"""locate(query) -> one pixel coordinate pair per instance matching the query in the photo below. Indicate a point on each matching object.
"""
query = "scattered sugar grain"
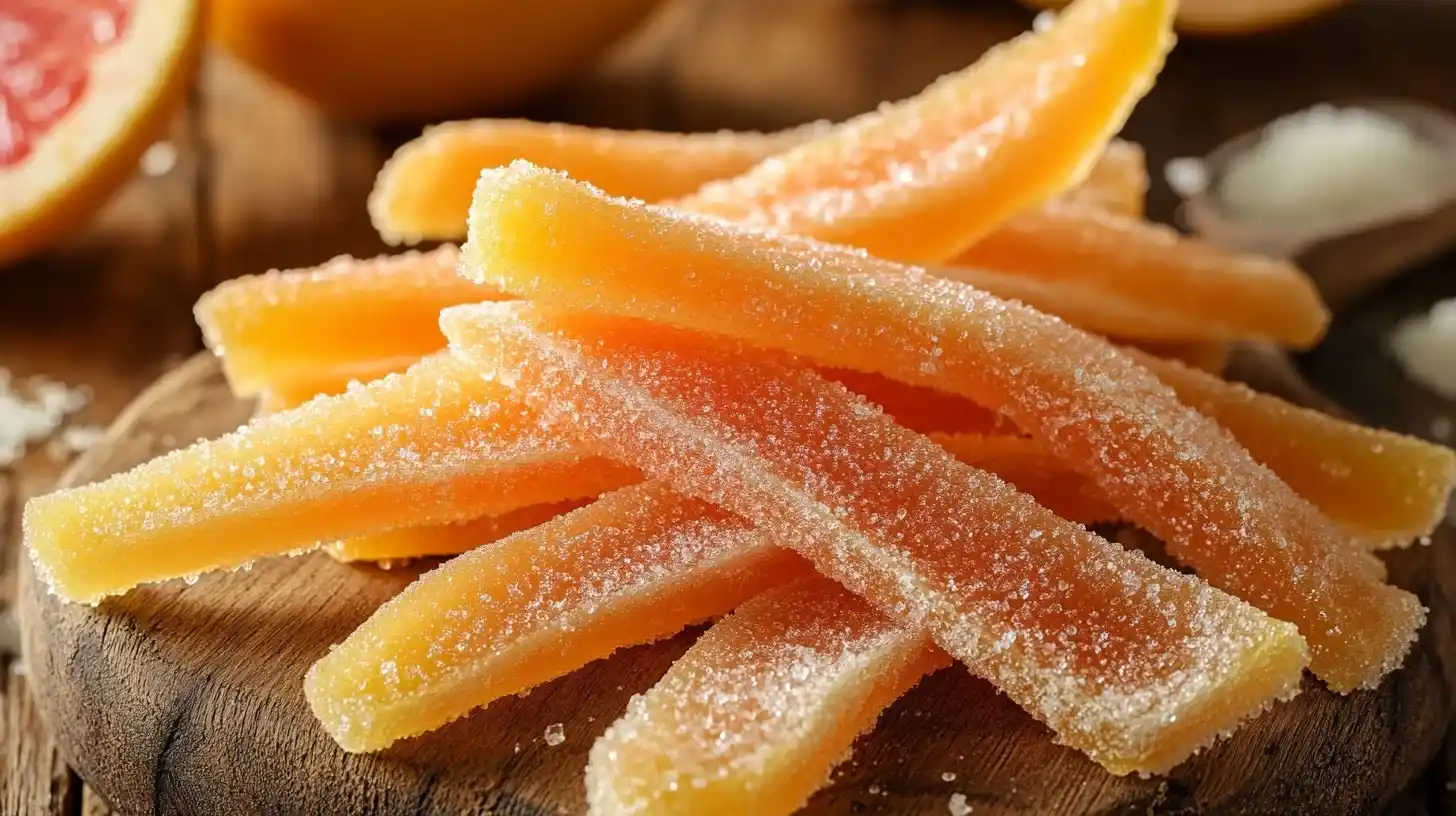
(1188, 176)
(958, 805)
(948, 776)
(159, 160)
(28, 419)
(1441, 428)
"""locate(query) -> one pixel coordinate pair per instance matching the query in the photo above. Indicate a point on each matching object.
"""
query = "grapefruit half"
(85, 87)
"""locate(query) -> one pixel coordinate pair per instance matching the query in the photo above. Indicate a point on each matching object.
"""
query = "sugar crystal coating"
(1164, 466)
(423, 191)
(1132, 663)
(433, 445)
(637, 565)
(923, 179)
(1032, 469)
(1387, 487)
(755, 715)
(1121, 276)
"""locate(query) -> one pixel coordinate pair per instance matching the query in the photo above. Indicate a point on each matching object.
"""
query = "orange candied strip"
(446, 539)
(348, 317)
(423, 192)
(1059, 619)
(633, 567)
(1031, 469)
(1388, 487)
(923, 179)
(756, 714)
(1124, 277)
(430, 446)
(1164, 466)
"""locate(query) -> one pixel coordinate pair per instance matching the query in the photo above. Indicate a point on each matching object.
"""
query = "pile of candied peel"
(854, 392)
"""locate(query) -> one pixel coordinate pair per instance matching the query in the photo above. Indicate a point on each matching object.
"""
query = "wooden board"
(263, 181)
(188, 699)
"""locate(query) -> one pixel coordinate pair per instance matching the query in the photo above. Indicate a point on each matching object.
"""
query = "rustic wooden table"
(260, 181)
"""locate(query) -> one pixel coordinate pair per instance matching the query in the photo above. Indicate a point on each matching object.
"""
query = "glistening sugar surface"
(753, 717)
(1118, 655)
(637, 565)
(1167, 468)
(924, 178)
(429, 446)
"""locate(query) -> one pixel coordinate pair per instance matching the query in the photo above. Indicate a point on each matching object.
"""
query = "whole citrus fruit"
(377, 60)
(1233, 16)
(85, 87)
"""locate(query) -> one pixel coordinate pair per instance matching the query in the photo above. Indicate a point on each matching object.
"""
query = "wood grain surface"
(262, 181)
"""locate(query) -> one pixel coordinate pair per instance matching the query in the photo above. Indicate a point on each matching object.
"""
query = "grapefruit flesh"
(85, 86)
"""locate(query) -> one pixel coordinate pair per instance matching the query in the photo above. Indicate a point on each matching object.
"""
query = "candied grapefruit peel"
(853, 393)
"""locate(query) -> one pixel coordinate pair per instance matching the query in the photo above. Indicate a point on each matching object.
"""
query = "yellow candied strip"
(635, 566)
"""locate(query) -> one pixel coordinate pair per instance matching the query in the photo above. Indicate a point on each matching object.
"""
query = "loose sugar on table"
(32, 412)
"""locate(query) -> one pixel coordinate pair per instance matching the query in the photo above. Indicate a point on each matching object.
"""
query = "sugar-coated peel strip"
(296, 333)
(423, 191)
(633, 567)
(923, 179)
(1173, 288)
(1387, 487)
(917, 408)
(1132, 663)
(446, 539)
(1163, 465)
(1026, 464)
(348, 317)
(756, 714)
(1016, 459)
(431, 446)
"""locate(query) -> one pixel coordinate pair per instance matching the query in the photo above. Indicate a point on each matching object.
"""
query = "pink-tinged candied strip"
(1132, 663)
(430, 446)
(635, 566)
(1026, 464)
(922, 179)
(757, 713)
(1163, 465)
